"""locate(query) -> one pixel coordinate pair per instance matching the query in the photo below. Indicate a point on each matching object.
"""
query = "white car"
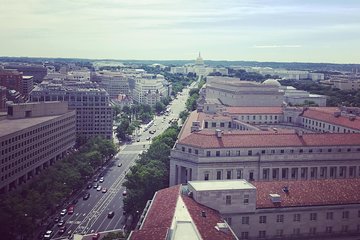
(63, 212)
(101, 179)
(98, 188)
(48, 234)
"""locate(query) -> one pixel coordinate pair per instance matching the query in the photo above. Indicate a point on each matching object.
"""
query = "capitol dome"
(272, 82)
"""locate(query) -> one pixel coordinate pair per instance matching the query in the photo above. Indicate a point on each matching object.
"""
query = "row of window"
(297, 232)
(317, 125)
(232, 153)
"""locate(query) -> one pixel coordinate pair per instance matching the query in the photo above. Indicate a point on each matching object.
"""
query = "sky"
(251, 30)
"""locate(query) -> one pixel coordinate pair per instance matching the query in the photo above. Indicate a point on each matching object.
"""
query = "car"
(89, 186)
(57, 219)
(111, 214)
(98, 188)
(138, 140)
(62, 229)
(120, 164)
(63, 212)
(95, 236)
(61, 223)
(104, 190)
(101, 179)
(71, 210)
(86, 196)
(148, 138)
(96, 185)
(124, 193)
(96, 179)
(48, 234)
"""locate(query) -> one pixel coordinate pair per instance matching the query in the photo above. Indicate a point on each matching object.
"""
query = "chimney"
(275, 198)
(218, 133)
(203, 214)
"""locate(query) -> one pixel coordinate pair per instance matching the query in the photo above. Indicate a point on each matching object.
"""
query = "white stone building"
(150, 90)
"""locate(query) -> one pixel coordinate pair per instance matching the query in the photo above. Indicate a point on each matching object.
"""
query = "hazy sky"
(267, 30)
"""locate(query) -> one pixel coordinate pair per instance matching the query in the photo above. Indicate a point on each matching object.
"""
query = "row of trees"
(336, 97)
(24, 210)
(150, 173)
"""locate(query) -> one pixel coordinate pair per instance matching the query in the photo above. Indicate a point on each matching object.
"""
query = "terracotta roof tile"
(254, 110)
(206, 225)
(309, 193)
(159, 216)
(208, 139)
(326, 114)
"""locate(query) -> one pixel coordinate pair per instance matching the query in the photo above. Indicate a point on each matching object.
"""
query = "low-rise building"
(32, 137)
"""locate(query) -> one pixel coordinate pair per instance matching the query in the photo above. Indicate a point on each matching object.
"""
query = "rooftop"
(254, 110)
(309, 192)
(208, 139)
(215, 185)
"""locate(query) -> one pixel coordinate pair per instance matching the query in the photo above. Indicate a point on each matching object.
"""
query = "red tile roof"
(254, 110)
(208, 139)
(159, 217)
(309, 193)
(326, 114)
(206, 225)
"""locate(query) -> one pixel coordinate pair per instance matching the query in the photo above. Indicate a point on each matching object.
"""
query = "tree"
(159, 107)
(183, 115)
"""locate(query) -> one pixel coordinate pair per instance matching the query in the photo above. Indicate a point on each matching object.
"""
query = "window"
(345, 214)
(206, 176)
(262, 219)
(296, 231)
(228, 220)
(208, 153)
(313, 216)
(196, 151)
(329, 215)
(189, 150)
(262, 234)
(227, 153)
(222, 124)
(213, 124)
(296, 217)
(328, 229)
(238, 174)
(228, 200)
(246, 199)
(312, 230)
(262, 151)
(237, 153)
(183, 149)
(245, 220)
(228, 174)
(218, 153)
(249, 153)
(280, 218)
(244, 235)
(218, 175)
(279, 232)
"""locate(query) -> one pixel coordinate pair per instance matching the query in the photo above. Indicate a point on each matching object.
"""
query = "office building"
(32, 137)
(150, 90)
(114, 83)
(93, 111)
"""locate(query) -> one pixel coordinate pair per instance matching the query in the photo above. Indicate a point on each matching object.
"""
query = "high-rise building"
(32, 137)
(93, 111)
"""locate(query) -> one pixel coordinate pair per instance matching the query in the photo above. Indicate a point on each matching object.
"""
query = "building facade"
(32, 137)
(93, 111)
(150, 91)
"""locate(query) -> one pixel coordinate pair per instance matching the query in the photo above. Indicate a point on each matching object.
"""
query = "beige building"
(32, 137)
(315, 209)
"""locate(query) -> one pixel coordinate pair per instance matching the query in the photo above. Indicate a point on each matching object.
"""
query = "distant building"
(292, 96)
(285, 74)
(92, 104)
(11, 79)
(233, 92)
(174, 215)
(27, 85)
(150, 90)
(345, 82)
(37, 71)
(32, 137)
(115, 83)
(3, 99)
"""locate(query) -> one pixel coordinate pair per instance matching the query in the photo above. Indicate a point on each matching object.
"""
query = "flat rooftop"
(9, 126)
(215, 185)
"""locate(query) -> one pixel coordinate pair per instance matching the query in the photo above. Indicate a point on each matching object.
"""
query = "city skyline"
(299, 31)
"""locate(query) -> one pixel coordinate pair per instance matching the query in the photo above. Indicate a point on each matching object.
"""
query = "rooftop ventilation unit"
(218, 133)
(275, 198)
(352, 117)
(222, 227)
(285, 189)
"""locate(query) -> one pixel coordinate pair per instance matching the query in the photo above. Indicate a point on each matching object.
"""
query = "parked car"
(104, 190)
(71, 210)
(57, 219)
(89, 186)
(62, 229)
(96, 236)
(61, 223)
(96, 185)
(124, 193)
(48, 234)
(86, 196)
(101, 179)
(98, 188)
(63, 212)
(120, 164)
(148, 138)
(111, 214)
